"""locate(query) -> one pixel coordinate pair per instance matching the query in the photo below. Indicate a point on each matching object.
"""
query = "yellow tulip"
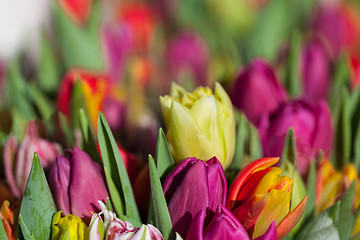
(69, 227)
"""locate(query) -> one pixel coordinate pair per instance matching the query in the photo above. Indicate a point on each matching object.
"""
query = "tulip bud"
(200, 124)
(315, 70)
(354, 69)
(7, 218)
(257, 90)
(77, 183)
(259, 195)
(312, 126)
(69, 227)
(203, 184)
(18, 159)
(113, 228)
(188, 52)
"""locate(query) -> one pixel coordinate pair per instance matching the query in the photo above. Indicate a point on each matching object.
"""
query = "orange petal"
(244, 175)
(289, 222)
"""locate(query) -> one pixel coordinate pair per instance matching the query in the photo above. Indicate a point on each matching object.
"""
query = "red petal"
(77, 10)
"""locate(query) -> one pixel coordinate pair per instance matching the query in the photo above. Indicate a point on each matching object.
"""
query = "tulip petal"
(244, 175)
(291, 219)
(271, 233)
(9, 163)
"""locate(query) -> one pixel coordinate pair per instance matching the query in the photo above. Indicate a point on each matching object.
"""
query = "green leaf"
(322, 227)
(162, 216)
(24, 230)
(88, 142)
(43, 104)
(355, 126)
(289, 150)
(311, 189)
(80, 46)
(255, 149)
(2, 231)
(48, 76)
(345, 221)
(78, 103)
(292, 81)
(116, 198)
(340, 79)
(163, 157)
(241, 136)
(66, 130)
(116, 169)
(342, 148)
(37, 206)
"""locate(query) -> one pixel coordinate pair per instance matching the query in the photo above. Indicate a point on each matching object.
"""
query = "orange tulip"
(7, 219)
(259, 196)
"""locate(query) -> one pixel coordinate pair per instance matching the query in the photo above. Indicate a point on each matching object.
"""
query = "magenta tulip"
(77, 183)
(194, 185)
(312, 126)
(315, 70)
(257, 91)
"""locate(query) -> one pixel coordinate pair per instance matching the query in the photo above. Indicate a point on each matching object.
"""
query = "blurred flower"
(340, 25)
(69, 227)
(200, 124)
(315, 70)
(99, 94)
(312, 124)
(187, 52)
(18, 159)
(77, 183)
(259, 195)
(7, 218)
(257, 90)
(5, 193)
(77, 10)
(193, 186)
(112, 228)
(354, 69)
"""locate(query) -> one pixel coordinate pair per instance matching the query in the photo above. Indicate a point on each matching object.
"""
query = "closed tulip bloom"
(259, 195)
(315, 70)
(69, 227)
(18, 158)
(111, 228)
(313, 128)
(257, 90)
(200, 124)
(203, 184)
(187, 53)
(77, 183)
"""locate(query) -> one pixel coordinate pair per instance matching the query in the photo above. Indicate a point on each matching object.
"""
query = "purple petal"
(270, 234)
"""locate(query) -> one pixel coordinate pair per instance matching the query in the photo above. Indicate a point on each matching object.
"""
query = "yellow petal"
(329, 193)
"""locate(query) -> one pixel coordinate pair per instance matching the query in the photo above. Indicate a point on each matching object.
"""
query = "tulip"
(315, 70)
(77, 183)
(112, 228)
(69, 227)
(7, 218)
(77, 10)
(257, 90)
(354, 69)
(339, 24)
(222, 224)
(188, 52)
(259, 195)
(18, 159)
(312, 126)
(200, 124)
(203, 184)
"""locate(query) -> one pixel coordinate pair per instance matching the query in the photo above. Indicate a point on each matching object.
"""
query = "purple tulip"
(222, 224)
(188, 52)
(18, 159)
(257, 90)
(312, 126)
(77, 183)
(194, 185)
(315, 70)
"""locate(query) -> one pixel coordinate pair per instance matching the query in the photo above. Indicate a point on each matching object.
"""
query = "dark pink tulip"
(257, 91)
(315, 70)
(222, 224)
(77, 183)
(339, 24)
(194, 185)
(187, 53)
(18, 158)
(313, 128)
